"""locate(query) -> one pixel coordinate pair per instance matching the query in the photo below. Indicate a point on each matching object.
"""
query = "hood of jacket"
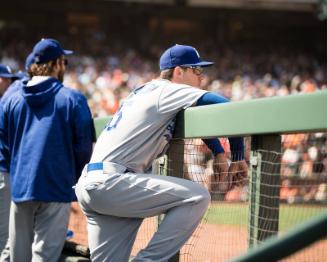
(40, 93)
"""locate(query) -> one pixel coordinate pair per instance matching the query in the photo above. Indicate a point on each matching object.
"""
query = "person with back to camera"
(6, 79)
(116, 190)
(20, 78)
(49, 132)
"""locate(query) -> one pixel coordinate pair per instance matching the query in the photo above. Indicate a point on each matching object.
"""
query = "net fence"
(284, 201)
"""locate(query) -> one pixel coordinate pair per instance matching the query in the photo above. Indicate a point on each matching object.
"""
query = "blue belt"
(94, 166)
(104, 166)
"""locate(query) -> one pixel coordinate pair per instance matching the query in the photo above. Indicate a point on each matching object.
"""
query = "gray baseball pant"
(116, 203)
(37, 230)
(4, 209)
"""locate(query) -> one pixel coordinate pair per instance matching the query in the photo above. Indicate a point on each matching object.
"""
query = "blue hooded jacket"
(4, 154)
(49, 131)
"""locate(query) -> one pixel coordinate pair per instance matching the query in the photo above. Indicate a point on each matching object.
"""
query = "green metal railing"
(300, 237)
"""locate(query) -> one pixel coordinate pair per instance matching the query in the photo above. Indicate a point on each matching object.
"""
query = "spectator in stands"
(288, 192)
(321, 194)
(6, 78)
(306, 166)
(20, 78)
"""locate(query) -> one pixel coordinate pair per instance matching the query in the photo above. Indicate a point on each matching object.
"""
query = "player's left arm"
(238, 168)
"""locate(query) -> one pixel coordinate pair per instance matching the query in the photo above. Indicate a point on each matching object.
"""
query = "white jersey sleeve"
(175, 97)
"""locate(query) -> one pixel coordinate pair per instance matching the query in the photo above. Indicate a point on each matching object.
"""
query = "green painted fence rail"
(276, 115)
(276, 248)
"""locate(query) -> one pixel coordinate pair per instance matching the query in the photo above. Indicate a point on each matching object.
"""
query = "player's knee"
(205, 197)
(202, 193)
(203, 203)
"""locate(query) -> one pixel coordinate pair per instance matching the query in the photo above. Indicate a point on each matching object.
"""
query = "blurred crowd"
(106, 70)
(304, 168)
(106, 67)
(236, 75)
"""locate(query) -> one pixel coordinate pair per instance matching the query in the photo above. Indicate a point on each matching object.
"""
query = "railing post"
(264, 188)
(175, 163)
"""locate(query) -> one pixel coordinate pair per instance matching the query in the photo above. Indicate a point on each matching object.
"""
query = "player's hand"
(238, 171)
(222, 180)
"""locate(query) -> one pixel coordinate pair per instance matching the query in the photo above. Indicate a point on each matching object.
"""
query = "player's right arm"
(238, 166)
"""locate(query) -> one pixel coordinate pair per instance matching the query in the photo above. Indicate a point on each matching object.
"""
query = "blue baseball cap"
(181, 55)
(48, 49)
(5, 72)
(29, 61)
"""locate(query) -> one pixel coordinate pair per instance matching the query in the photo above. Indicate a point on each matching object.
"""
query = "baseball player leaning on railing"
(116, 190)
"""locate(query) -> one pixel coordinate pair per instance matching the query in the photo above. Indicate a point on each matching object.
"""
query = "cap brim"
(68, 52)
(7, 75)
(202, 64)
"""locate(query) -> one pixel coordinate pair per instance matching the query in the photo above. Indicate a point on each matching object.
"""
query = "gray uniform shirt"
(142, 128)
